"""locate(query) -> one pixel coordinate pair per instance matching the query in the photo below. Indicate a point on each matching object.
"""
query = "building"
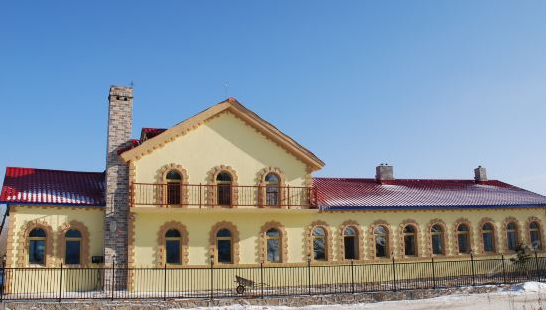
(227, 187)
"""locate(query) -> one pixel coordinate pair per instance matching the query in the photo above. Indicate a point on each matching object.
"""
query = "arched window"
(319, 243)
(410, 240)
(273, 243)
(437, 239)
(350, 242)
(174, 181)
(272, 190)
(463, 239)
(534, 235)
(512, 236)
(224, 248)
(73, 246)
(36, 246)
(223, 181)
(381, 241)
(488, 235)
(173, 247)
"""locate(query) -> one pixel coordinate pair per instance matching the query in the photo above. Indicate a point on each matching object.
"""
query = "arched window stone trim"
(84, 243)
(484, 221)
(262, 186)
(390, 238)
(504, 229)
(284, 242)
(341, 240)
(212, 192)
(530, 220)
(162, 179)
(445, 237)
(234, 240)
(329, 240)
(24, 243)
(455, 239)
(161, 250)
(418, 251)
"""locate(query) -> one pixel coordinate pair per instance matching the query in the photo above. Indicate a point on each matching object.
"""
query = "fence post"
(4, 277)
(352, 276)
(393, 273)
(433, 273)
(211, 277)
(262, 279)
(472, 266)
(113, 281)
(536, 264)
(503, 270)
(61, 283)
(309, 273)
(165, 282)
(200, 193)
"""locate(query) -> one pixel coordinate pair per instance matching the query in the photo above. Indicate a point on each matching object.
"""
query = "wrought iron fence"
(261, 281)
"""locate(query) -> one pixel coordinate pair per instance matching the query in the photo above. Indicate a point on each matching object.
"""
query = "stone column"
(120, 122)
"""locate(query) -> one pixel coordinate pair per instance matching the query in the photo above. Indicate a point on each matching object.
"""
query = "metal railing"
(206, 196)
(261, 281)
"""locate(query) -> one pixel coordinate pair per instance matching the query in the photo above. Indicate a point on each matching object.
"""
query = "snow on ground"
(526, 296)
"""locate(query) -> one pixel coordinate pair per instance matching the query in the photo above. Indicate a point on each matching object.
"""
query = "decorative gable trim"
(249, 117)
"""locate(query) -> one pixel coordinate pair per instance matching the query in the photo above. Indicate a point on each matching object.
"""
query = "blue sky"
(435, 88)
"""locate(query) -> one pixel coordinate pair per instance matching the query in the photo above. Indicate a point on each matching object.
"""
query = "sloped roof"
(345, 193)
(232, 105)
(52, 187)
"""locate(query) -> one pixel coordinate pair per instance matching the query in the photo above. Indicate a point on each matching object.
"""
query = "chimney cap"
(480, 174)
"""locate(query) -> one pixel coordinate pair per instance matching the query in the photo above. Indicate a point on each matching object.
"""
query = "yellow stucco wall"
(249, 223)
(55, 217)
(222, 140)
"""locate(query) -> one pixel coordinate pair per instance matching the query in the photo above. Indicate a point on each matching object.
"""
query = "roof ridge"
(53, 170)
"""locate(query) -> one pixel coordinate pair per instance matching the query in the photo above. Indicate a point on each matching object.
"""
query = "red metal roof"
(41, 186)
(343, 193)
(147, 133)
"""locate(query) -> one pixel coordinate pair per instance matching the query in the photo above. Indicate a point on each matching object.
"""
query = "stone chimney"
(120, 123)
(384, 172)
(480, 174)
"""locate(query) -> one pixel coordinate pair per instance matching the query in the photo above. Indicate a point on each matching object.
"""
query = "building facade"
(228, 188)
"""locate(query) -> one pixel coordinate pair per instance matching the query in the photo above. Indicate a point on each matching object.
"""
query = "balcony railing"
(221, 195)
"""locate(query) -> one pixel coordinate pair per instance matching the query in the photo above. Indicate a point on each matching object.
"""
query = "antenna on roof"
(226, 86)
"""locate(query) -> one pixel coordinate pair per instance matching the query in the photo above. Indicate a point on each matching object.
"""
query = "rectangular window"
(535, 240)
(409, 245)
(273, 253)
(512, 241)
(224, 194)
(173, 193)
(380, 246)
(463, 243)
(437, 245)
(36, 252)
(488, 245)
(173, 251)
(224, 251)
(72, 253)
(350, 247)
(319, 249)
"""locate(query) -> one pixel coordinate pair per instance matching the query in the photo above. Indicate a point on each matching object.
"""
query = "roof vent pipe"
(384, 172)
(480, 175)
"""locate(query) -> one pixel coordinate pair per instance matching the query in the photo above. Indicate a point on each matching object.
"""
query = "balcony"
(221, 195)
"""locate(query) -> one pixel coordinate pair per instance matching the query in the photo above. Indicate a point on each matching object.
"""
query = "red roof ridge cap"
(52, 170)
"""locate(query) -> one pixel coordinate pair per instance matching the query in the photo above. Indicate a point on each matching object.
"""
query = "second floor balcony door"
(174, 180)
(223, 181)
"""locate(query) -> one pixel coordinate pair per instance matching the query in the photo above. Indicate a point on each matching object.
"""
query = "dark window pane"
(224, 251)
(223, 177)
(37, 232)
(173, 193)
(350, 247)
(319, 249)
(512, 240)
(173, 251)
(272, 232)
(535, 240)
(72, 255)
(380, 246)
(409, 245)
(273, 253)
(463, 243)
(36, 252)
(172, 233)
(437, 244)
(173, 175)
(272, 195)
(224, 232)
(224, 194)
(72, 233)
(488, 245)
